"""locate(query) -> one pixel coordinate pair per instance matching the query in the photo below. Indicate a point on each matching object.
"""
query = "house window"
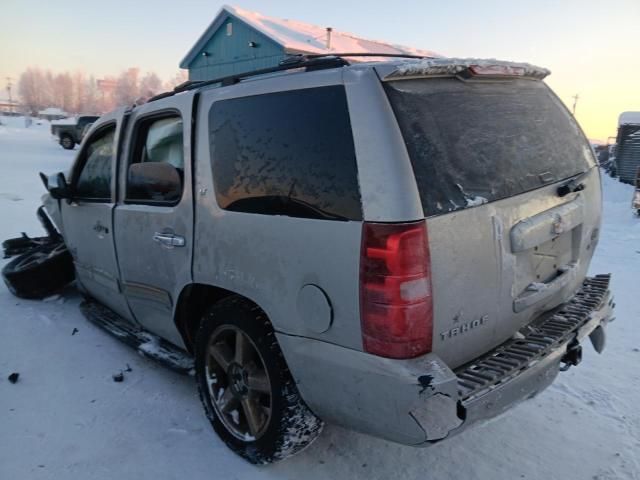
(229, 29)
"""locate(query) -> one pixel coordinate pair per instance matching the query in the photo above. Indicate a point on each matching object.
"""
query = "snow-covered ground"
(66, 419)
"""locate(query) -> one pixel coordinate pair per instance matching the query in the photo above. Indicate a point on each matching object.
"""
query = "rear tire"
(67, 142)
(250, 397)
(39, 272)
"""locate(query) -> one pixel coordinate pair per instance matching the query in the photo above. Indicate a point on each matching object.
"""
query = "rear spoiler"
(462, 67)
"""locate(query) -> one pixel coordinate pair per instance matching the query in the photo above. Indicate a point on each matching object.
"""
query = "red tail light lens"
(396, 307)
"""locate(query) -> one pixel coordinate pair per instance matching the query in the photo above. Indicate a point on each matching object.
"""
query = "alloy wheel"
(238, 383)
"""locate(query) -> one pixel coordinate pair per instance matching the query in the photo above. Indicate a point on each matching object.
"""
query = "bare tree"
(179, 78)
(63, 91)
(92, 96)
(30, 88)
(127, 87)
(150, 85)
(106, 93)
(77, 93)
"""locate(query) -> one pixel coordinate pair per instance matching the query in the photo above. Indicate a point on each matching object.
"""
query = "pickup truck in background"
(70, 134)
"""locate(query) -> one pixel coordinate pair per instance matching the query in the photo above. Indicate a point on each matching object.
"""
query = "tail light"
(396, 307)
(497, 70)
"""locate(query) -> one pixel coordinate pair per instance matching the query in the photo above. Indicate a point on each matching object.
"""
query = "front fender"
(52, 207)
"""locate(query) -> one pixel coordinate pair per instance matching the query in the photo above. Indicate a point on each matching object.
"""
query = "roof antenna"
(329, 30)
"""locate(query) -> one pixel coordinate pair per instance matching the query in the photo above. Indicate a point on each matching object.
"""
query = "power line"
(9, 85)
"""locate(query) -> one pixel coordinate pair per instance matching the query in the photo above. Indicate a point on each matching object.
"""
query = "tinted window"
(287, 153)
(94, 181)
(476, 141)
(158, 140)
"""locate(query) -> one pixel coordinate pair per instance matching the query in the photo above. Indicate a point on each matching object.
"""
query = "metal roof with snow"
(240, 40)
(629, 118)
(628, 147)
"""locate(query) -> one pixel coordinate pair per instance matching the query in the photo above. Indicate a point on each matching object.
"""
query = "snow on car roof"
(453, 66)
(52, 111)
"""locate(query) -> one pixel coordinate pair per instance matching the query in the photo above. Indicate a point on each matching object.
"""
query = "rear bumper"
(422, 401)
(521, 368)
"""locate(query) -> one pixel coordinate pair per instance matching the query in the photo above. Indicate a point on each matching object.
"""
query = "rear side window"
(94, 181)
(286, 153)
(476, 141)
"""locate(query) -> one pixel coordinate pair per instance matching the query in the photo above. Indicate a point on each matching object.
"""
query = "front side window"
(158, 140)
(287, 153)
(94, 181)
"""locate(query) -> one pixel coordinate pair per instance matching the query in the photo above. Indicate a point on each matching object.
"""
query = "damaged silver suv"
(399, 247)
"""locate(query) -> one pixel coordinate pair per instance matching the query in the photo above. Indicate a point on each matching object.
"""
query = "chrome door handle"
(169, 239)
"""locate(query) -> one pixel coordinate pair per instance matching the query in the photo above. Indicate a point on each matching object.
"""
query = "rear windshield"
(475, 142)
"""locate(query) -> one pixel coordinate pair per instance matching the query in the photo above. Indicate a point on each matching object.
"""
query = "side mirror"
(56, 185)
(154, 181)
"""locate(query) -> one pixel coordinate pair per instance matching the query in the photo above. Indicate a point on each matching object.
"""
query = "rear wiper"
(573, 185)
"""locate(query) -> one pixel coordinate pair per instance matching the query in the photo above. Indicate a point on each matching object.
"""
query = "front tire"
(67, 142)
(245, 385)
(39, 272)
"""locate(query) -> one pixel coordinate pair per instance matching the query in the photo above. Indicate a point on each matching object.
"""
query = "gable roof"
(298, 37)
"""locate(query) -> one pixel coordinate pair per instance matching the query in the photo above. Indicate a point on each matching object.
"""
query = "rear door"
(87, 218)
(488, 157)
(154, 233)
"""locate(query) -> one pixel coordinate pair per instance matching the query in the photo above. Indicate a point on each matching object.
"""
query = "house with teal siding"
(239, 41)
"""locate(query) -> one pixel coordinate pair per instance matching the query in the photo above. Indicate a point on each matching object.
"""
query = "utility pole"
(9, 85)
(575, 103)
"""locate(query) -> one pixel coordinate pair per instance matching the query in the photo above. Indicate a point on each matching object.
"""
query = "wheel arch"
(192, 302)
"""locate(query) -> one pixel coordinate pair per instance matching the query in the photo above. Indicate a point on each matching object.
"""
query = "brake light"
(497, 70)
(396, 306)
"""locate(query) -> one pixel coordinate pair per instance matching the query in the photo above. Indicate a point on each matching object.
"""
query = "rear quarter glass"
(286, 153)
(473, 142)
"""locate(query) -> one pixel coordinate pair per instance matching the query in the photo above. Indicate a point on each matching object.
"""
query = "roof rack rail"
(315, 62)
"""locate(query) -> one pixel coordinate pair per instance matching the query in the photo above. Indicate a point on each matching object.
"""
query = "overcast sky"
(592, 47)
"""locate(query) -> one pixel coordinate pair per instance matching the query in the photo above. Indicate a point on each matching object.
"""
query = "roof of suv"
(396, 67)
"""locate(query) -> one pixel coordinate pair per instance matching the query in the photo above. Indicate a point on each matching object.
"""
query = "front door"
(154, 232)
(87, 218)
